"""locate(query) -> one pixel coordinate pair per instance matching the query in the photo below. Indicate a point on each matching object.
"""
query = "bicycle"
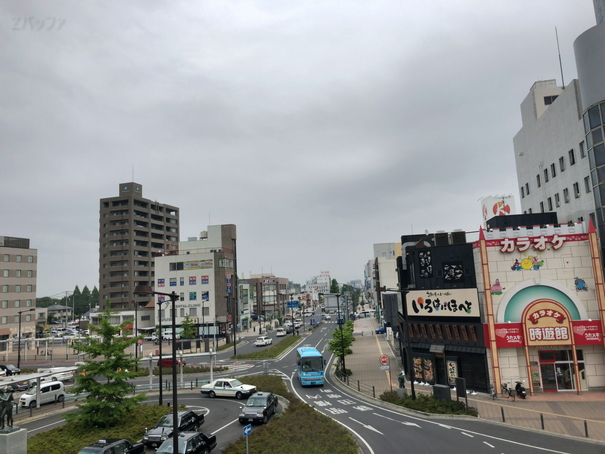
(509, 392)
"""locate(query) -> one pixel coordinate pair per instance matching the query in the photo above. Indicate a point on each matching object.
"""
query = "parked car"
(52, 391)
(189, 443)
(381, 330)
(56, 374)
(281, 332)
(258, 408)
(263, 340)
(228, 388)
(22, 385)
(289, 329)
(9, 369)
(187, 421)
(167, 362)
(112, 446)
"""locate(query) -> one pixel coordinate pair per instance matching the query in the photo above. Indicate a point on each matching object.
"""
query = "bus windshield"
(313, 364)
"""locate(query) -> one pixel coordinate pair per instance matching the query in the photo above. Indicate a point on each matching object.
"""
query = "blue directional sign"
(247, 430)
(292, 304)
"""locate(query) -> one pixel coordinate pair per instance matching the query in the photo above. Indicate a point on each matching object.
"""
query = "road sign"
(384, 368)
(247, 430)
(292, 304)
(384, 360)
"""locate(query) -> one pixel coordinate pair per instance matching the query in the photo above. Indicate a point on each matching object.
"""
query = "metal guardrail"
(356, 385)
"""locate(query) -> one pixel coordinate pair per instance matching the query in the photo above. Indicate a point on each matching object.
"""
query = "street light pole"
(19, 346)
(342, 339)
(175, 423)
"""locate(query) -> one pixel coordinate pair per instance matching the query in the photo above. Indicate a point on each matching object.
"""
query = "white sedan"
(228, 387)
(281, 332)
(263, 340)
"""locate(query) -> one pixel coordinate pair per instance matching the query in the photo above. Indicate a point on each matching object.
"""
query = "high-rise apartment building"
(18, 284)
(132, 230)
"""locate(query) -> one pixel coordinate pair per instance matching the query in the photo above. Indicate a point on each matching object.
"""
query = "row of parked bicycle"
(519, 390)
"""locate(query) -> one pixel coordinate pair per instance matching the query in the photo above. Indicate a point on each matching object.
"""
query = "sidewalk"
(564, 413)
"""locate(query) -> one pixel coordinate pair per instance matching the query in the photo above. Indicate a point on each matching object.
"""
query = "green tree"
(105, 375)
(188, 328)
(334, 286)
(342, 339)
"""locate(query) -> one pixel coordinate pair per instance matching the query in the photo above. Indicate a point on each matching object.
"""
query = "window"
(4, 304)
(19, 259)
(548, 100)
(522, 192)
(16, 319)
(566, 195)
(576, 190)
(30, 273)
(17, 289)
(557, 200)
(527, 188)
(582, 151)
(145, 318)
(572, 157)
(562, 163)
(587, 184)
(17, 303)
(553, 170)
(28, 318)
(545, 175)
(30, 288)
(5, 289)
(541, 207)
(4, 320)
(17, 273)
(182, 312)
(7, 258)
(538, 180)
(28, 303)
(549, 200)
(5, 273)
(193, 311)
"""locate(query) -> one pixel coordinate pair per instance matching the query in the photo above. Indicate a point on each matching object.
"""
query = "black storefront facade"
(440, 317)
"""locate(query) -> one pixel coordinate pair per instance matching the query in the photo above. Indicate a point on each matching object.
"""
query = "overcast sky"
(319, 128)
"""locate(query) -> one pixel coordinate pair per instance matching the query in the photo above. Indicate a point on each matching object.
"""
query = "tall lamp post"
(160, 342)
(342, 339)
(19, 346)
(143, 289)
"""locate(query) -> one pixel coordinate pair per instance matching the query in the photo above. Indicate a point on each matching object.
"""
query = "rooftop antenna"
(133, 172)
(559, 51)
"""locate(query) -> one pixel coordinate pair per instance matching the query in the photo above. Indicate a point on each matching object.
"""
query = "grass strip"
(272, 352)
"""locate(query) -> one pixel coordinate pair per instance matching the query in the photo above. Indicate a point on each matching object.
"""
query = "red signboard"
(384, 360)
(585, 332)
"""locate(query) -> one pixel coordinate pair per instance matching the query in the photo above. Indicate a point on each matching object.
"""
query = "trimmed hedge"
(299, 429)
(428, 404)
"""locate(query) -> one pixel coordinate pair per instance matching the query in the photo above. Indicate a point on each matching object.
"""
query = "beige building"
(18, 281)
(132, 232)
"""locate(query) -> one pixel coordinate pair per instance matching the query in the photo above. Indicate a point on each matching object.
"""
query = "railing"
(357, 385)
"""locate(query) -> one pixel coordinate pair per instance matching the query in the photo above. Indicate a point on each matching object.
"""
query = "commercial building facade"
(132, 230)
(18, 284)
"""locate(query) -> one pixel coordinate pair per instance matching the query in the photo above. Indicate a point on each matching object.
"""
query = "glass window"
(549, 200)
(572, 157)
(562, 164)
(553, 170)
(16, 319)
(587, 186)
(5, 273)
(17, 303)
(594, 117)
(7, 258)
(30, 288)
(28, 303)
(4, 304)
(597, 136)
(541, 207)
(582, 150)
(566, 195)
(557, 200)
(586, 123)
(538, 180)
(599, 155)
(601, 195)
(5, 289)
(589, 141)
(19, 259)
(545, 175)
(17, 288)
(193, 311)
(182, 312)
(30, 273)
(527, 188)
(30, 259)
(28, 318)
(17, 273)
(4, 320)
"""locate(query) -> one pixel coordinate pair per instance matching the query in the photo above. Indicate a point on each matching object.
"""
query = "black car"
(258, 408)
(10, 369)
(187, 420)
(113, 445)
(190, 443)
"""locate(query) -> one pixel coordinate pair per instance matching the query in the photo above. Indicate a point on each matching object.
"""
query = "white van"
(49, 392)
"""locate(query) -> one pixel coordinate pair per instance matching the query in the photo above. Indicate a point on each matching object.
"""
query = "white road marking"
(405, 423)
(44, 427)
(468, 435)
(491, 446)
(366, 426)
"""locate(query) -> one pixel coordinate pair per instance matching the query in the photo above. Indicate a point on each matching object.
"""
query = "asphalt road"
(377, 429)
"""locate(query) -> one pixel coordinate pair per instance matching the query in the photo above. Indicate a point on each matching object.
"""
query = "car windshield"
(260, 339)
(10, 367)
(236, 383)
(167, 447)
(165, 421)
(257, 402)
(31, 392)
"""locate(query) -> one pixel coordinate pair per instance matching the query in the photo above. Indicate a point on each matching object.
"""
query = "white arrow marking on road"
(491, 446)
(405, 423)
(468, 435)
(444, 426)
(366, 426)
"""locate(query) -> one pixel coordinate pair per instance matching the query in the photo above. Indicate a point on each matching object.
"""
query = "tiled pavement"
(564, 412)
